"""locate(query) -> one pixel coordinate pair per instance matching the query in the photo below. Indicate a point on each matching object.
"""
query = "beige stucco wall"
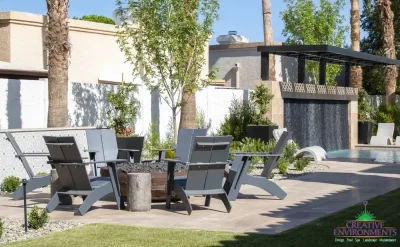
(94, 50)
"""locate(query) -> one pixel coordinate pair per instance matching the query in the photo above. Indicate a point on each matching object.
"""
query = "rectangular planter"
(133, 142)
(262, 132)
(364, 132)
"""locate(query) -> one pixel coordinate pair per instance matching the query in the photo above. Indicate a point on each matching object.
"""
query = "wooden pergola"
(323, 54)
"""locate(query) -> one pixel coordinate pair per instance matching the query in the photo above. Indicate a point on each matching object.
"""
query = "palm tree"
(386, 17)
(268, 37)
(356, 71)
(58, 47)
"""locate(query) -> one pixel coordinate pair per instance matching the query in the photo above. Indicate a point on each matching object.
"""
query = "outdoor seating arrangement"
(102, 145)
(74, 180)
(238, 176)
(206, 159)
(316, 152)
(384, 135)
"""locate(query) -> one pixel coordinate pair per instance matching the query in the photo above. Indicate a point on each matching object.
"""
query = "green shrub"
(247, 112)
(249, 145)
(241, 113)
(96, 18)
(10, 184)
(271, 176)
(1, 228)
(201, 121)
(302, 163)
(282, 166)
(152, 142)
(388, 114)
(366, 111)
(289, 152)
(260, 98)
(170, 154)
(37, 217)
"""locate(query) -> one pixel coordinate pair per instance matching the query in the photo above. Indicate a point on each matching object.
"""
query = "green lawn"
(316, 233)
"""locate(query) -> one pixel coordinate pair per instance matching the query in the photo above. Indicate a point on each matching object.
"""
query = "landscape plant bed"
(158, 172)
(14, 229)
(291, 171)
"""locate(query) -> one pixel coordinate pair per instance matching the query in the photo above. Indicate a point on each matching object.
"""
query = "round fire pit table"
(158, 172)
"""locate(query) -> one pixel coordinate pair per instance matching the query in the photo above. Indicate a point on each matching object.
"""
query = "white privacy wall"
(23, 104)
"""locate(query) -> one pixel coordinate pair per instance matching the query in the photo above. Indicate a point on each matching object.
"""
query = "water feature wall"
(318, 122)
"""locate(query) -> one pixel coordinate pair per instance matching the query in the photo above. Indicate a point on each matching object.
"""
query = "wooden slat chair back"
(65, 150)
(272, 161)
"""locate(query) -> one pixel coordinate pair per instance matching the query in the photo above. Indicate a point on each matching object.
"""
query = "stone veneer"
(276, 111)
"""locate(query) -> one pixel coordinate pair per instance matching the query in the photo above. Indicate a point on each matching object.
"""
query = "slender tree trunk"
(58, 47)
(356, 71)
(188, 106)
(174, 124)
(386, 17)
(268, 35)
(188, 111)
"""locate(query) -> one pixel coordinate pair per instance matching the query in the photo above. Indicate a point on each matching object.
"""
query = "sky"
(243, 16)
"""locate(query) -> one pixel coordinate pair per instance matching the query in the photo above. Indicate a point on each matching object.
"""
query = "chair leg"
(181, 193)
(267, 185)
(208, 200)
(93, 197)
(32, 184)
(54, 202)
(226, 202)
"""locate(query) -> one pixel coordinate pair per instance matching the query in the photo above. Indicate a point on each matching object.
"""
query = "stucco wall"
(23, 104)
(224, 58)
(250, 70)
(94, 50)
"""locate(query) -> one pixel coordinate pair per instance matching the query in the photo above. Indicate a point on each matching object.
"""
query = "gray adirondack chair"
(238, 176)
(182, 150)
(102, 145)
(73, 177)
(35, 181)
(207, 161)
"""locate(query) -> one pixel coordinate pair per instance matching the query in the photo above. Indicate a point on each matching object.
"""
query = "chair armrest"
(173, 161)
(206, 164)
(60, 144)
(116, 161)
(32, 155)
(212, 144)
(163, 149)
(129, 150)
(255, 154)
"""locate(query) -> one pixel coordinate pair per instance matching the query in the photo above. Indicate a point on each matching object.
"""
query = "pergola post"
(347, 74)
(301, 69)
(322, 72)
(264, 66)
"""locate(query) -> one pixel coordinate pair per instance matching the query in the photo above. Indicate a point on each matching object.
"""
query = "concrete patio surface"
(309, 197)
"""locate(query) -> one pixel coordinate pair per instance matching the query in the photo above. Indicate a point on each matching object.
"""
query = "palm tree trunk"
(386, 17)
(356, 71)
(268, 35)
(58, 47)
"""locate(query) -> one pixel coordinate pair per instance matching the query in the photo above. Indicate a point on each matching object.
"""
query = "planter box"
(262, 132)
(364, 132)
(133, 142)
